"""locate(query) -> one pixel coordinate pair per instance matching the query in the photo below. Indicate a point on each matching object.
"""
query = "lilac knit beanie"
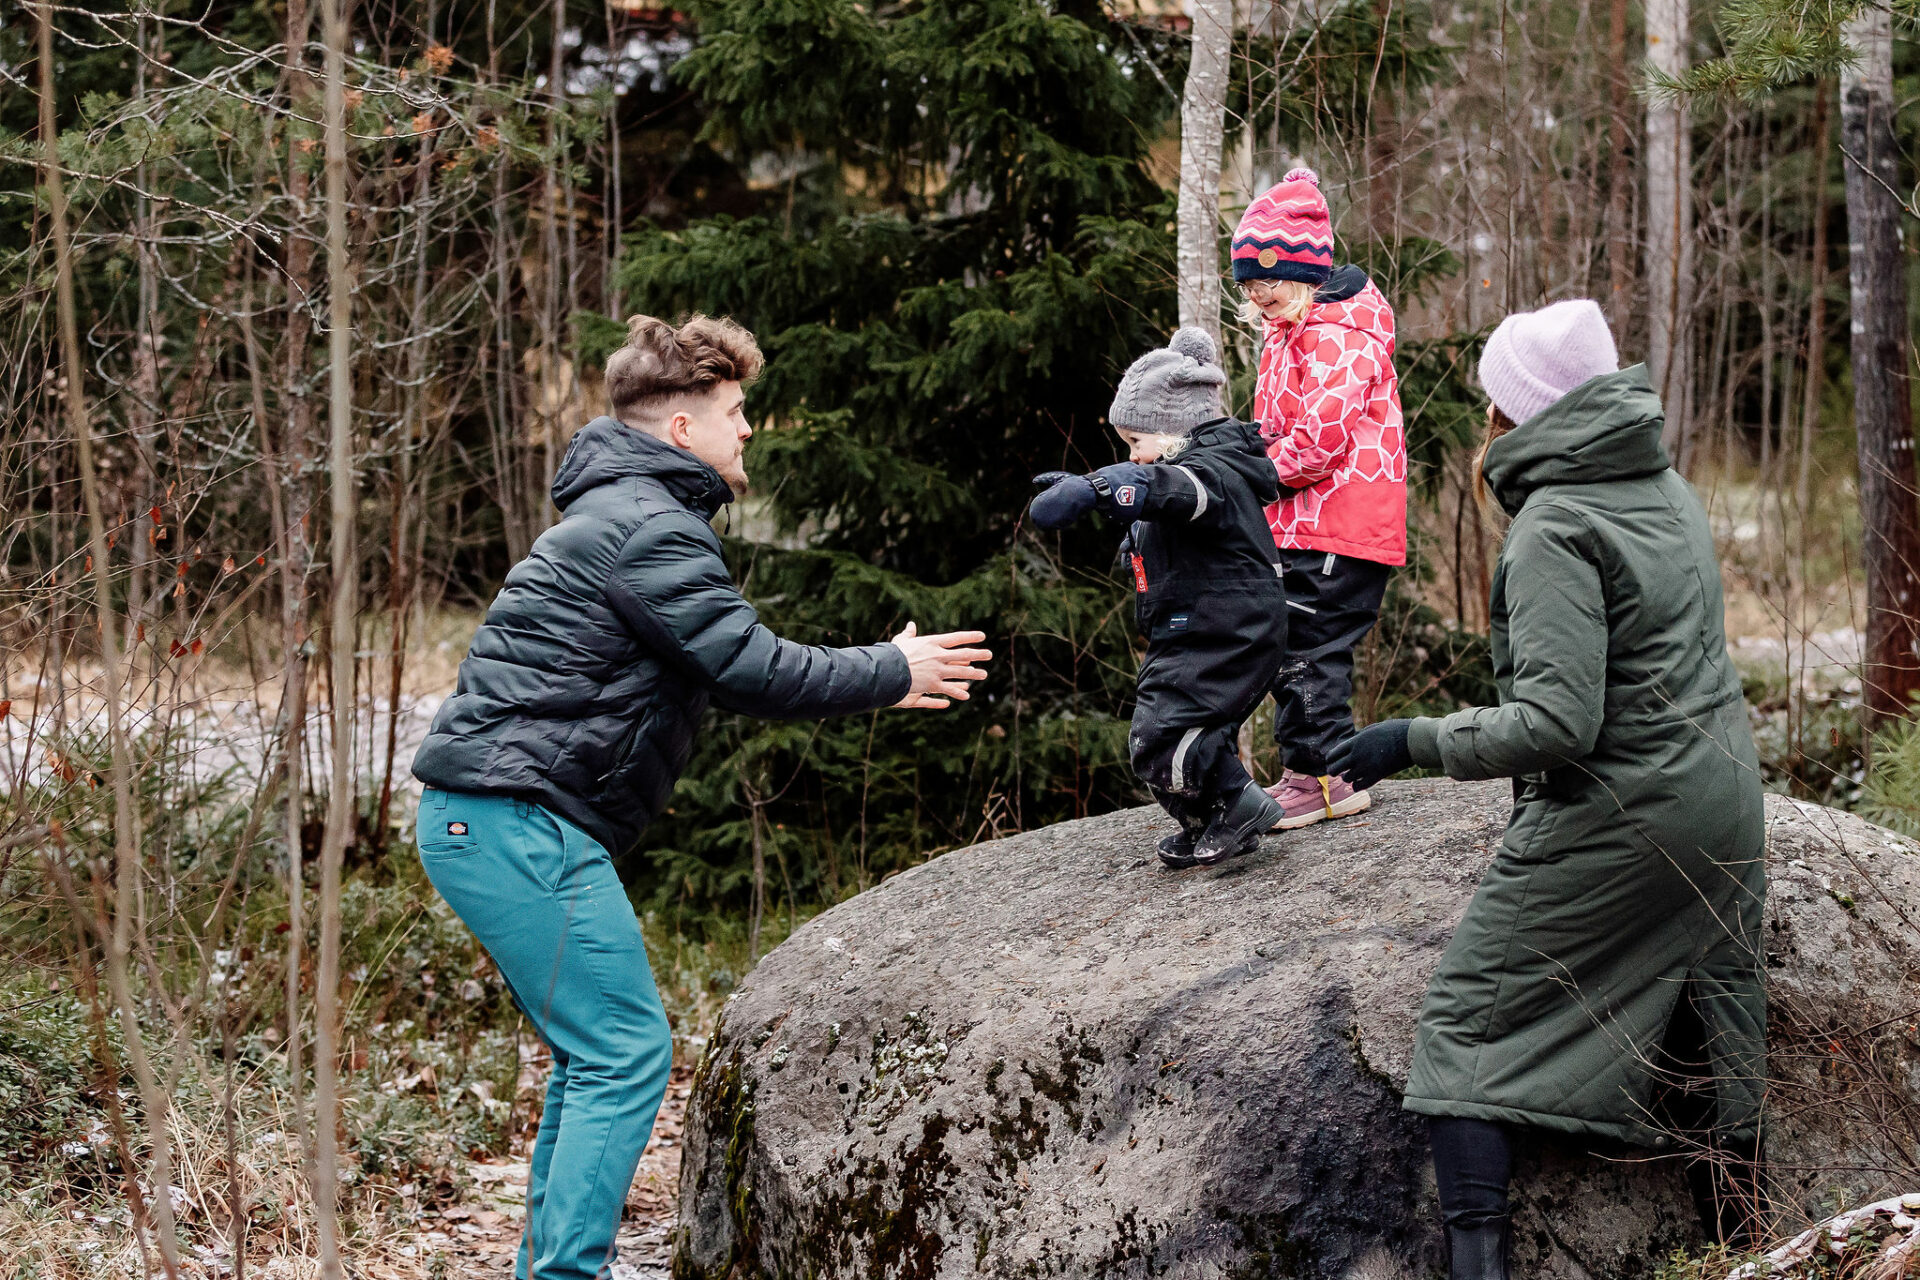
(1535, 357)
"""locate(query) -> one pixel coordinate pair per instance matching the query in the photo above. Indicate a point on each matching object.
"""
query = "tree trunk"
(340, 643)
(1621, 259)
(1817, 295)
(1670, 231)
(609, 285)
(1379, 145)
(1882, 407)
(146, 490)
(1202, 112)
(506, 450)
(126, 837)
(295, 554)
(401, 574)
(552, 387)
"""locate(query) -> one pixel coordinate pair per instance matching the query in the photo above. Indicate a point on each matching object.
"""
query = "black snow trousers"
(1332, 602)
(1184, 740)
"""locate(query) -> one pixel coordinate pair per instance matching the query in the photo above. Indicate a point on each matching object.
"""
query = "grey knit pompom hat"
(1173, 390)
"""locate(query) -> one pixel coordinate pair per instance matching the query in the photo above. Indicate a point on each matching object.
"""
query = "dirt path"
(484, 1232)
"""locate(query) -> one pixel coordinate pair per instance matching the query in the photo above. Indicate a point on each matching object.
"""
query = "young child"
(1328, 404)
(1208, 596)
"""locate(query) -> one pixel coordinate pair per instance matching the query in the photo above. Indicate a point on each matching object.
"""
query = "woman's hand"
(941, 668)
(1377, 751)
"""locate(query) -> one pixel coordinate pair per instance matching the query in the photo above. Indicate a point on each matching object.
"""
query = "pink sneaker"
(1306, 799)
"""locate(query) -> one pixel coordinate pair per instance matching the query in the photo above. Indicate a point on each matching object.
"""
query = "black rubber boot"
(1237, 828)
(1176, 850)
(1478, 1252)
(1472, 1166)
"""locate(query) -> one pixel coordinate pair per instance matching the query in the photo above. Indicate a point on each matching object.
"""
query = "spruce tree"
(959, 256)
(959, 252)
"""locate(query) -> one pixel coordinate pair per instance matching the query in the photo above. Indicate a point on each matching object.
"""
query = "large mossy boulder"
(1048, 1056)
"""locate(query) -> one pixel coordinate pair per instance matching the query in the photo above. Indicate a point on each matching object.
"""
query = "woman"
(1606, 979)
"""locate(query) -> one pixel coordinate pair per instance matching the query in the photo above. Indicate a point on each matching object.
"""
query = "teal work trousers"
(543, 898)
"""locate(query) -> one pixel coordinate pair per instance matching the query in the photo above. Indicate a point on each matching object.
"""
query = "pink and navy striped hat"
(1286, 234)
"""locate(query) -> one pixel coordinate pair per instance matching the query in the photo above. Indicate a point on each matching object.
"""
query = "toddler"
(1207, 590)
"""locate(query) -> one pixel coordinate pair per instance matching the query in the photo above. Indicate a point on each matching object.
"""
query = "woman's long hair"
(1498, 424)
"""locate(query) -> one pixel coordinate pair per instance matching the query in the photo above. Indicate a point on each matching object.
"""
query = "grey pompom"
(1193, 343)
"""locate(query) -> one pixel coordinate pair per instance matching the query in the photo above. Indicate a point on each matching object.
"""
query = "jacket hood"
(1607, 428)
(606, 450)
(1352, 301)
(1233, 443)
(1345, 283)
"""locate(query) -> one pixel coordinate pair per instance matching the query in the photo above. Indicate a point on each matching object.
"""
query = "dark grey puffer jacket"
(582, 689)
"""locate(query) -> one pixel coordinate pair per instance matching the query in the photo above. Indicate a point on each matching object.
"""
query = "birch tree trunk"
(289, 470)
(1670, 231)
(1202, 111)
(1882, 405)
(340, 644)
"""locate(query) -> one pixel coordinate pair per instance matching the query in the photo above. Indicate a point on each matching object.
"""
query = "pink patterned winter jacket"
(1328, 404)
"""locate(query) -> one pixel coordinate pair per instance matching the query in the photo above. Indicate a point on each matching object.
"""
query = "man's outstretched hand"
(942, 667)
(1377, 751)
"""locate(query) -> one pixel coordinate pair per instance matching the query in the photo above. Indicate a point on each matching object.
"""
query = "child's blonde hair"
(1295, 296)
(1172, 445)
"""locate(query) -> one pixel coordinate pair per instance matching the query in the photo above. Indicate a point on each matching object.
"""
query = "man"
(574, 715)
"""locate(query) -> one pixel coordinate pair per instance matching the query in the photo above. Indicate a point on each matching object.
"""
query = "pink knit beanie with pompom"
(1286, 234)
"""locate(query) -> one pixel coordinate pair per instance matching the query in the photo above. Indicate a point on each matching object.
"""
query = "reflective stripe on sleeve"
(1200, 491)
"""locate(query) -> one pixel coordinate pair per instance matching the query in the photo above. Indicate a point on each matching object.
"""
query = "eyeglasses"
(1256, 289)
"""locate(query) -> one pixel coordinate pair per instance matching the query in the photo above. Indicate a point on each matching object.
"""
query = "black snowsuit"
(1210, 604)
(582, 689)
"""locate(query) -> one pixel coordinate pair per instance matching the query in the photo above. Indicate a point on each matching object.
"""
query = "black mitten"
(1065, 501)
(1377, 751)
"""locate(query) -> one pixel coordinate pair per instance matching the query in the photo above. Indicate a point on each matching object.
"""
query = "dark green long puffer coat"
(1632, 867)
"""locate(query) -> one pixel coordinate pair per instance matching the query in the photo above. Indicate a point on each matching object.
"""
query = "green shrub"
(1891, 793)
(53, 1123)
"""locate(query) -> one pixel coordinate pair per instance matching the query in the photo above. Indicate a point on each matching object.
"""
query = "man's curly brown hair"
(660, 362)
